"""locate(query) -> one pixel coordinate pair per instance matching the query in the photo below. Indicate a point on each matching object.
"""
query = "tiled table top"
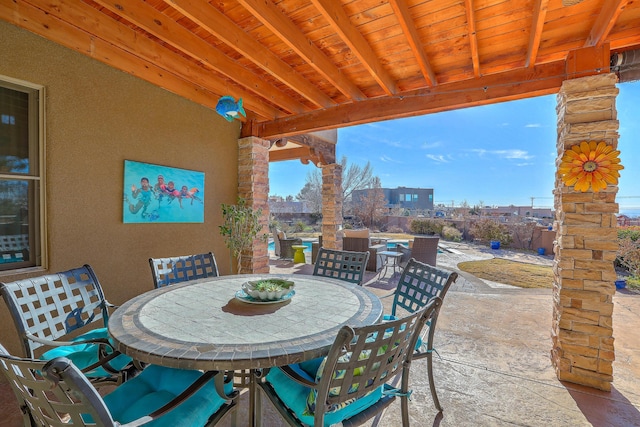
(202, 325)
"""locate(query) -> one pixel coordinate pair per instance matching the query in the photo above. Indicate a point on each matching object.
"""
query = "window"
(408, 197)
(21, 171)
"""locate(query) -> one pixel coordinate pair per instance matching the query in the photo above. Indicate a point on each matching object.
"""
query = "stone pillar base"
(253, 186)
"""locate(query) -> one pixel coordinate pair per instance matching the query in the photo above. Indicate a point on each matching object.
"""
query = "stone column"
(331, 206)
(253, 186)
(586, 241)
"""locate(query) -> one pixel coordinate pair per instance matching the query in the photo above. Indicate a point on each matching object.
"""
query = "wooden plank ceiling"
(307, 65)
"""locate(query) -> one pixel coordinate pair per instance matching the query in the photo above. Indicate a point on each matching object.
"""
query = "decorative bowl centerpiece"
(268, 289)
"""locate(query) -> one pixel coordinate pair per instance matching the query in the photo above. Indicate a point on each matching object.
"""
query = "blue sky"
(499, 154)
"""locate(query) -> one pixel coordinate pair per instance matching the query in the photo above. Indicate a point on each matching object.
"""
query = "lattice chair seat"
(47, 309)
(352, 384)
(55, 393)
(344, 265)
(167, 271)
(420, 283)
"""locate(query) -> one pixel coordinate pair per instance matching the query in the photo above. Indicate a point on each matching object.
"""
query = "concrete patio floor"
(493, 367)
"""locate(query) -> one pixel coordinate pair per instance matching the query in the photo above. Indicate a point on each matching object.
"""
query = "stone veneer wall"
(331, 206)
(253, 186)
(586, 241)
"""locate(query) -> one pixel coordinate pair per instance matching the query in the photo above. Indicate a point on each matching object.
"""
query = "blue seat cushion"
(83, 355)
(154, 387)
(295, 396)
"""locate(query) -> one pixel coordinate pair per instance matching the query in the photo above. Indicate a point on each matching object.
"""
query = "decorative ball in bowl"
(267, 289)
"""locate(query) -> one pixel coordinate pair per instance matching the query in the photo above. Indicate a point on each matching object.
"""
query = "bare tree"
(312, 191)
(371, 207)
(354, 177)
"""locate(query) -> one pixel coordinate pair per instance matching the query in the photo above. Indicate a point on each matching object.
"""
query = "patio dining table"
(208, 324)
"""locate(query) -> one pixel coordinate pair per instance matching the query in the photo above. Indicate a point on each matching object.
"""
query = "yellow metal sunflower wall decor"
(590, 164)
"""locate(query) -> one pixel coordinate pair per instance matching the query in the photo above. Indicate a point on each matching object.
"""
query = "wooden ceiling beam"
(607, 18)
(522, 83)
(216, 23)
(153, 22)
(57, 29)
(537, 24)
(281, 25)
(401, 10)
(341, 24)
(473, 38)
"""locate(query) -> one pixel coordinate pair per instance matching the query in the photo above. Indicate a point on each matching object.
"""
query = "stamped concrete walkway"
(493, 368)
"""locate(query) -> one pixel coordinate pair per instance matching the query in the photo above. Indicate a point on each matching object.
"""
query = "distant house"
(626, 221)
(403, 197)
(519, 211)
(281, 206)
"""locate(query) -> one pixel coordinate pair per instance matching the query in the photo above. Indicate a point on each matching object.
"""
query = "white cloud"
(437, 158)
(533, 125)
(388, 159)
(429, 145)
(479, 151)
(503, 154)
(513, 154)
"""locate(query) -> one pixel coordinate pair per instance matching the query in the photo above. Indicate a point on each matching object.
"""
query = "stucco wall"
(97, 117)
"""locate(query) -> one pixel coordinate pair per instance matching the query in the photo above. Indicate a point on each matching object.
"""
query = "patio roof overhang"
(302, 66)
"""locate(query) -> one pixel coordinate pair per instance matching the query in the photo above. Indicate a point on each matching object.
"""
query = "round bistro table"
(207, 325)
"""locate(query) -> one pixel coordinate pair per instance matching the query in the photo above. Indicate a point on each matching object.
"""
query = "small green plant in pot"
(240, 228)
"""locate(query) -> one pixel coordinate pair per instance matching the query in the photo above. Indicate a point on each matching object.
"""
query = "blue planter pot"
(495, 244)
(541, 251)
(621, 284)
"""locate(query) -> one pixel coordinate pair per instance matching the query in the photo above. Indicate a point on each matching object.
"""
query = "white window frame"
(39, 258)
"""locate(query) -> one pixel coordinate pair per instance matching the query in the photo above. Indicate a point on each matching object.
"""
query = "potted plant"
(240, 228)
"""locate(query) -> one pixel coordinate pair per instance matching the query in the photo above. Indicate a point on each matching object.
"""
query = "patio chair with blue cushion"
(353, 383)
(344, 265)
(55, 393)
(48, 310)
(167, 271)
(419, 284)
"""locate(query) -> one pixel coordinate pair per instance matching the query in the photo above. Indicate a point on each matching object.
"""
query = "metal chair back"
(51, 306)
(418, 284)
(167, 271)
(344, 265)
(55, 393)
(360, 361)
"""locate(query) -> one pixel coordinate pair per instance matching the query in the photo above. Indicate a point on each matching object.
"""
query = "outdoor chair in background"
(344, 265)
(167, 271)
(47, 309)
(361, 241)
(353, 383)
(423, 249)
(283, 245)
(55, 393)
(419, 284)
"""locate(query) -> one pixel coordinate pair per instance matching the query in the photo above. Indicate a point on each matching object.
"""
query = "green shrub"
(488, 230)
(632, 233)
(451, 233)
(300, 226)
(426, 226)
(633, 282)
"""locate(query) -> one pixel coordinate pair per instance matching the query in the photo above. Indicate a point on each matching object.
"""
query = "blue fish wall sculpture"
(228, 108)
